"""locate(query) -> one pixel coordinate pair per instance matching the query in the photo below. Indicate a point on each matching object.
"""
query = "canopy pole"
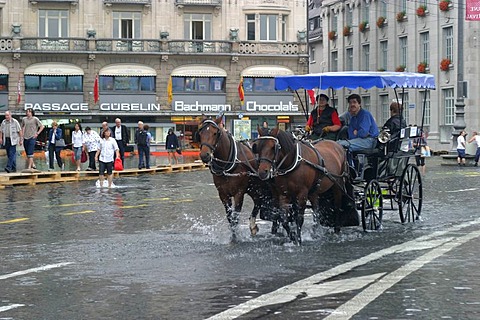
(301, 103)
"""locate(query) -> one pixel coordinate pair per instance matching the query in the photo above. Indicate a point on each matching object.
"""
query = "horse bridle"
(273, 162)
(205, 124)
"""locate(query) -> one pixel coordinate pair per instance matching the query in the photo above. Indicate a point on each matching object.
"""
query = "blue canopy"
(355, 79)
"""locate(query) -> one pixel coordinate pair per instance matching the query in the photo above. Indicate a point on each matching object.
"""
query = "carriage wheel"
(410, 194)
(372, 206)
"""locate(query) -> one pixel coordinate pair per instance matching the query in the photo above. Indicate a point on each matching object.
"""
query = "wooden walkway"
(34, 177)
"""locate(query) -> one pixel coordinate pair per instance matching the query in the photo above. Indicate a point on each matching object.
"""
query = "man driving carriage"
(362, 129)
(394, 125)
(323, 121)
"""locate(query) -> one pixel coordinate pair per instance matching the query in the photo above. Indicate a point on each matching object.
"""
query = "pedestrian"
(121, 134)
(77, 141)
(31, 127)
(147, 150)
(105, 127)
(461, 144)
(55, 134)
(91, 141)
(171, 144)
(141, 142)
(106, 154)
(10, 135)
(476, 138)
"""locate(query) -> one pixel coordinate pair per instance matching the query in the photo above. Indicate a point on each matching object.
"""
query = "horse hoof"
(254, 231)
(336, 230)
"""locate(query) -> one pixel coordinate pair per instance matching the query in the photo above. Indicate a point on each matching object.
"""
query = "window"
(383, 8)
(365, 57)
(334, 61)
(349, 59)
(403, 5)
(53, 23)
(314, 23)
(126, 25)
(366, 102)
(259, 84)
(383, 63)
(448, 43)
(403, 51)
(53, 83)
(3, 82)
(449, 106)
(425, 47)
(385, 107)
(312, 54)
(427, 114)
(198, 84)
(348, 16)
(270, 27)
(198, 26)
(365, 11)
(334, 26)
(127, 83)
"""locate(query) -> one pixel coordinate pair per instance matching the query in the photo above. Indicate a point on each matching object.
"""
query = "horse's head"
(267, 148)
(209, 134)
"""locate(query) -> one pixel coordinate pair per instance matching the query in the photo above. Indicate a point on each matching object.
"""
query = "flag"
(170, 90)
(241, 92)
(19, 92)
(96, 92)
(311, 94)
(472, 10)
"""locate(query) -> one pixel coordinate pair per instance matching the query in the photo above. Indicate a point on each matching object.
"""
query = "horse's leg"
(284, 212)
(298, 215)
(337, 199)
(253, 219)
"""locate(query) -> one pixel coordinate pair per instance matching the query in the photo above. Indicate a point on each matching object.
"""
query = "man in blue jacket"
(362, 129)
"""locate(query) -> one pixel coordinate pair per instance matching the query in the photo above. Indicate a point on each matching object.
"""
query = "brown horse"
(304, 172)
(233, 166)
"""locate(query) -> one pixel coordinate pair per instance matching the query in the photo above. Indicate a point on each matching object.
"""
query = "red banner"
(472, 10)
(96, 91)
(241, 92)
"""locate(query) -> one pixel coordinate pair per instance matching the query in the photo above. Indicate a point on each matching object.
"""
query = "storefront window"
(259, 84)
(54, 83)
(3, 82)
(121, 83)
(203, 84)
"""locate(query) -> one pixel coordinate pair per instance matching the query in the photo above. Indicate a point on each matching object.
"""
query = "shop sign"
(128, 106)
(55, 106)
(197, 107)
(253, 106)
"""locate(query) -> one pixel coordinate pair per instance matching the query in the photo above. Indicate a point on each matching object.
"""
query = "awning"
(3, 69)
(126, 70)
(53, 69)
(266, 71)
(199, 71)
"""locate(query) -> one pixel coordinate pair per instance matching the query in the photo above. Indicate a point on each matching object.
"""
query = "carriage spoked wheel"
(372, 207)
(410, 194)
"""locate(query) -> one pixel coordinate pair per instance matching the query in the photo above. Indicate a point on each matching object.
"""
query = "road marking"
(461, 190)
(361, 300)
(184, 200)
(132, 207)
(71, 204)
(32, 270)
(156, 199)
(301, 286)
(12, 306)
(79, 212)
(14, 220)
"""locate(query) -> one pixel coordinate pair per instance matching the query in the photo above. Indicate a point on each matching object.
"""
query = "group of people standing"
(462, 145)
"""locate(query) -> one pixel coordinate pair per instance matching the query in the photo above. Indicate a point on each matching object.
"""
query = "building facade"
(162, 62)
(414, 36)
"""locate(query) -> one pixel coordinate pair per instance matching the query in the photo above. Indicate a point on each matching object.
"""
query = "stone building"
(51, 52)
(415, 36)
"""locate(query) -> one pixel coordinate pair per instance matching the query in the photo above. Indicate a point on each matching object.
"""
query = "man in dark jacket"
(394, 125)
(171, 144)
(122, 136)
(323, 121)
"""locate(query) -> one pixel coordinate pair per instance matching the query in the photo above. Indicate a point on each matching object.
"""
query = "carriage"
(387, 171)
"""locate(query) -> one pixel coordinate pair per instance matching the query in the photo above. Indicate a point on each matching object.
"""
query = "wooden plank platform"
(34, 177)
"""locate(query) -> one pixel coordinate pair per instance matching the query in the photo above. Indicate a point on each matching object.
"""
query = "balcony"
(215, 3)
(152, 46)
(54, 1)
(315, 35)
(142, 2)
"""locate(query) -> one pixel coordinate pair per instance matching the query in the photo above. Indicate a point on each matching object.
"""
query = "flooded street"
(158, 247)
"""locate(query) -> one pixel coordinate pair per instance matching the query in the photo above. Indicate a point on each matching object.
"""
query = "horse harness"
(222, 167)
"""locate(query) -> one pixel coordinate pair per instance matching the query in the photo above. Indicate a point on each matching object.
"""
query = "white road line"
(353, 306)
(12, 306)
(301, 286)
(32, 270)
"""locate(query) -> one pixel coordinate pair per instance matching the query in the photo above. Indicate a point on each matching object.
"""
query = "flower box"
(332, 35)
(422, 11)
(347, 30)
(401, 16)
(381, 22)
(363, 26)
(445, 5)
(400, 68)
(422, 67)
(445, 64)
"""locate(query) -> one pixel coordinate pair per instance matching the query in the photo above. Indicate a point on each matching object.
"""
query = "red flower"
(381, 22)
(400, 68)
(363, 26)
(444, 5)
(445, 64)
(347, 30)
(421, 11)
(422, 67)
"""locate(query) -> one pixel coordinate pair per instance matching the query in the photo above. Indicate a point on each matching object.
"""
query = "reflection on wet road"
(157, 247)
